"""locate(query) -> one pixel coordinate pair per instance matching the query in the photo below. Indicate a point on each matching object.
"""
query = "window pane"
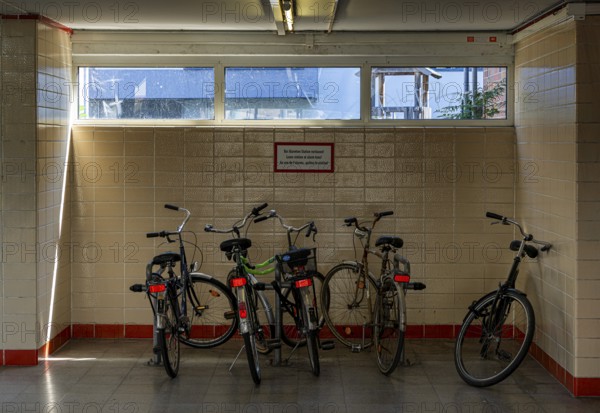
(146, 93)
(261, 93)
(438, 93)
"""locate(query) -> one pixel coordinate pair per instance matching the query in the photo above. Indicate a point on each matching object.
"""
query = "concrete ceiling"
(267, 15)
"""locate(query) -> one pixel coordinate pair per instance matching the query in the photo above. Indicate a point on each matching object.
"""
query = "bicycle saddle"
(530, 250)
(395, 242)
(166, 257)
(242, 243)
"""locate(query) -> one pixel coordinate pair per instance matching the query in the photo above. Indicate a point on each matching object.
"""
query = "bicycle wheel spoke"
(349, 312)
(208, 303)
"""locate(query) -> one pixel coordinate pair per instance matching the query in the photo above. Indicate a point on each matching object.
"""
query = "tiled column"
(35, 266)
(19, 202)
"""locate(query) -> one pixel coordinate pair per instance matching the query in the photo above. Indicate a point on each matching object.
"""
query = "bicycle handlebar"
(164, 234)
(378, 215)
(312, 228)
(526, 237)
(239, 224)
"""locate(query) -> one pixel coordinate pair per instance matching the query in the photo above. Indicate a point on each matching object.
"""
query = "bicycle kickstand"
(236, 358)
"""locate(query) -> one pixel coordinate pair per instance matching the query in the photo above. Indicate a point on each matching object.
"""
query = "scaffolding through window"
(292, 93)
(459, 93)
(146, 93)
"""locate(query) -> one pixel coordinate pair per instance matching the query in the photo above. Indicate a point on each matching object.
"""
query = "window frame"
(365, 65)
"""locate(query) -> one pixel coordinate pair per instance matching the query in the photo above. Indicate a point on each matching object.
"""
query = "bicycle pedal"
(229, 315)
(327, 345)
(259, 286)
(356, 348)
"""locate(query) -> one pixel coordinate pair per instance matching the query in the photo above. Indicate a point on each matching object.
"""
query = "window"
(146, 93)
(438, 93)
(280, 93)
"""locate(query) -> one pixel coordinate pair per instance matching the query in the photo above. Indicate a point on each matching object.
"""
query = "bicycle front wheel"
(211, 313)
(389, 326)
(347, 299)
(168, 337)
(494, 338)
(312, 343)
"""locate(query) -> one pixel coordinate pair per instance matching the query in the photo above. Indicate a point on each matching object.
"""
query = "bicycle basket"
(299, 260)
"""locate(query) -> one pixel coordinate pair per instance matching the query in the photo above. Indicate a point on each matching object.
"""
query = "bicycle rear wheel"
(211, 313)
(289, 332)
(390, 316)
(252, 356)
(347, 300)
(265, 323)
(494, 338)
(168, 337)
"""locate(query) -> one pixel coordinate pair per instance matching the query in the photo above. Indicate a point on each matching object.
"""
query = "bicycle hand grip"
(494, 216)
(383, 214)
(311, 228)
(350, 221)
(208, 228)
(173, 207)
(261, 218)
(256, 210)
(137, 288)
(153, 234)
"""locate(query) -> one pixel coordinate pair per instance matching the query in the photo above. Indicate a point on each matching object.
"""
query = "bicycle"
(191, 307)
(264, 337)
(297, 293)
(350, 288)
(254, 335)
(498, 329)
(289, 333)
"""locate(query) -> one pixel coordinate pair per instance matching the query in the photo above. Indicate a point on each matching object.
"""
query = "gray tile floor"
(113, 376)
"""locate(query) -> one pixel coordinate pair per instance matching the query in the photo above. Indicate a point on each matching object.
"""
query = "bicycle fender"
(202, 276)
(474, 304)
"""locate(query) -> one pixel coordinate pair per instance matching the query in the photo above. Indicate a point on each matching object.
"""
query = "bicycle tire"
(289, 332)
(208, 302)
(349, 319)
(168, 337)
(389, 326)
(252, 356)
(482, 370)
(312, 341)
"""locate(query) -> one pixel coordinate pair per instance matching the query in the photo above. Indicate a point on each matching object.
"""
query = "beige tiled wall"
(439, 182)
(557, 136)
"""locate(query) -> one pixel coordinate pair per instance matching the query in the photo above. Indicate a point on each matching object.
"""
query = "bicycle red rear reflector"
(242, 310)
(237, 282)
(156, 288)
(307, 282)
(401, 278)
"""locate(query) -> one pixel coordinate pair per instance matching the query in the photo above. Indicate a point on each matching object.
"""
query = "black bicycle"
(190, 307)
(497, 332)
